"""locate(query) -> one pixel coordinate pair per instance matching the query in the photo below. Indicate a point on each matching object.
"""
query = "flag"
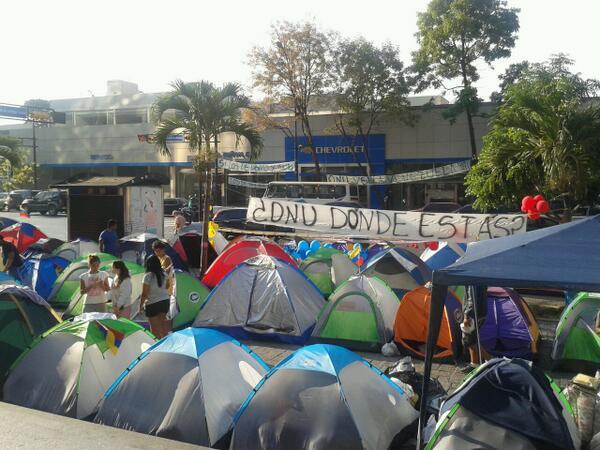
(112, 337)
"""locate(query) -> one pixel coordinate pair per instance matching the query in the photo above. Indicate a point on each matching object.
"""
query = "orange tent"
(410, 326)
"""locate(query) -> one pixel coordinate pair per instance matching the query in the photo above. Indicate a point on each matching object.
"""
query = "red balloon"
(538, 198)
(433, 245)
(533, 215)
(528, 202)
(523, 209)
(543, 206)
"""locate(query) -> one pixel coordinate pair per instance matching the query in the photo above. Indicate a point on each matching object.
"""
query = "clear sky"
(65, 49)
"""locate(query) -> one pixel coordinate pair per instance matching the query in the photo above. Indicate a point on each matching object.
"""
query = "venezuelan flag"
(112, 337)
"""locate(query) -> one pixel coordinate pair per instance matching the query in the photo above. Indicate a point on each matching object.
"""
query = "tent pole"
(475, 291)
(436, 311)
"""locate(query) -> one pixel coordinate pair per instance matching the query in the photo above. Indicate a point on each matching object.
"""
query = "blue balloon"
(328, 245)
(303, 246)
(315, 245)
(295, 255)
(308, 253)
(357, 245)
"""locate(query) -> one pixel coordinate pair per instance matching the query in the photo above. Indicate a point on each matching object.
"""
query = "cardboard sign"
(379, 224)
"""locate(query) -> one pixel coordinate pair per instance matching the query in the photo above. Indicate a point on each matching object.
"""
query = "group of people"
(157, 289)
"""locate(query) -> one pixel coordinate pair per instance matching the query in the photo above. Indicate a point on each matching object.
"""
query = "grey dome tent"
(506, 404)
(188, 387)
(358, 315)
(263, 298)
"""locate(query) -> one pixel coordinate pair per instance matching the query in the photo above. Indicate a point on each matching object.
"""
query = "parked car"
(469, 209)
(16, 197)
(439, 207)
(46, 202)
(171, 204)
(3, 200)
(236, 218)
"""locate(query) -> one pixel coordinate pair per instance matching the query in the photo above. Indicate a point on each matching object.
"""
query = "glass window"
(123, 116)
(293, 191)
(91, 118)
(339, 191)
(324, 191)
(309, 191)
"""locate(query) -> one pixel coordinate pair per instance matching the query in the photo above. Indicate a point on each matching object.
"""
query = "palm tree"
(201, 111)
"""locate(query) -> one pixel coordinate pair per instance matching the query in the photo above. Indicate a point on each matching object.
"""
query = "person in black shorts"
(475, 301)
(155, 299)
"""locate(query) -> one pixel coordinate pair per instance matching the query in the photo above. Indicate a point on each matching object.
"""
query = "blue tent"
(446, 254)
(137, 247)
(564, 256)
(324, 397)
(7, 279)
(39, 272)
(5, 222)
(402, 270)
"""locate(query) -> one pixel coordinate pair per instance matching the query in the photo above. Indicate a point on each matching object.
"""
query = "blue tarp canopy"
(563, 256)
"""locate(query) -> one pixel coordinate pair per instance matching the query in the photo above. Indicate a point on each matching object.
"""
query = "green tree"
(201, 112)
(370, 85)
(545, 138)
(294, 70)
(10, 149)
(453, 36)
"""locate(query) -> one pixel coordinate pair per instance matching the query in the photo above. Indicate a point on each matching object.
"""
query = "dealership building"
(108, 135)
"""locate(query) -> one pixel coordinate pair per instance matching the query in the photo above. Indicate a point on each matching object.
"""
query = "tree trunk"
(471, 132)
(205, 212)
(309, 137)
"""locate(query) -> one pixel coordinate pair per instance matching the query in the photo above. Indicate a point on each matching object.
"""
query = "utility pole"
(296, 143)
(35, 173)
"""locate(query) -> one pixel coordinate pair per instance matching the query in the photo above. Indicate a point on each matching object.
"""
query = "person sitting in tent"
(10, 258)
(155, 298)
(94, 285)
(159, 249)
(121, 290)
(474, 313)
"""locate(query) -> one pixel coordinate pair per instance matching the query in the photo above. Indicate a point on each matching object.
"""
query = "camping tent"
(41, 271)
(22, 235)
(447, 253)
(6, 222)
(188, 245)
(43, 246)
(68, 283)
(190, 295)
(324, 397)
(237, 253)
(359, 314)
(399, 268)
(546, 258)
(266, 298)
(510, 328)
(76, 249)
(577, 343)
(23, 315)
(137, 247)
(67, 369)
(8, 279)
(410, 325)
(508, 404)
(204, 377)
(328, 268)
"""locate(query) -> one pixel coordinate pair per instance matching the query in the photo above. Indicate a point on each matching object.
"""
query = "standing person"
(94, 285)
(179, 221)
(10, 258)
(474, 314)
(109, 240)
(121, 290)
(155, 297)
(158, 247)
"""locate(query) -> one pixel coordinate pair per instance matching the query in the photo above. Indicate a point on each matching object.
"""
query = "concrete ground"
(22, 428)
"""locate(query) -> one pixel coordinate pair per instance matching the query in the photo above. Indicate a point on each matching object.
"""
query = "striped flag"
(112, 337)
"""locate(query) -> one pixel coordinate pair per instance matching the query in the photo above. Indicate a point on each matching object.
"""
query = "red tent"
(240, 252)
(22, 235)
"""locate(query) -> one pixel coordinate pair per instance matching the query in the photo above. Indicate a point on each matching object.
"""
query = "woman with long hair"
(155, 297)
(121, 290)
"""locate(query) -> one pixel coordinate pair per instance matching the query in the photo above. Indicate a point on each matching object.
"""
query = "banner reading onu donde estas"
(384, 225)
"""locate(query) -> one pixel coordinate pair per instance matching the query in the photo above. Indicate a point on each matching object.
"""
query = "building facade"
(108, 135)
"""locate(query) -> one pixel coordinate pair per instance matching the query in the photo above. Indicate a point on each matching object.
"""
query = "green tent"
(328, 268)
(76, 302)
(68, 369)
(23, 316)
(359, 315)
(577, 343)
(67, 282)
(190, 295)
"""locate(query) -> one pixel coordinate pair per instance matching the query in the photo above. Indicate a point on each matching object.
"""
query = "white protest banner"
(238, 166)
(249, 184)
(379, 224)
(409, 177)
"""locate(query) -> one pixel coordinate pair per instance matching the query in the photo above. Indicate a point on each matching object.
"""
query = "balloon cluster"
(357, 254)
(534, 207)
(303, 250)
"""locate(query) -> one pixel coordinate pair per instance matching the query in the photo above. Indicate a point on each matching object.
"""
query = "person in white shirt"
(121, 290)
(155, 299)
(94, 285)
